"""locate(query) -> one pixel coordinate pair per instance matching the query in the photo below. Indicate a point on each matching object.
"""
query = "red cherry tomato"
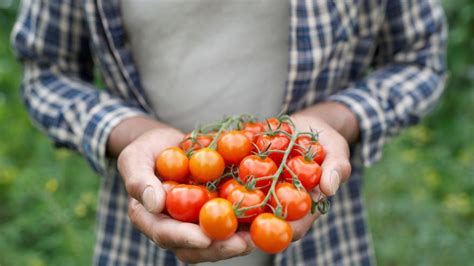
(184, 202)
(217, 219)
(227, 187)
(303, 143)
(275, 124)
(251, 130)
(172, 164)
(206, 165)
(278, 144)
(308, 172)
(296, 204)
(211, 194)
(201, 141)
(246, 198)
(271, 234)
(234, 146)
(254, 166)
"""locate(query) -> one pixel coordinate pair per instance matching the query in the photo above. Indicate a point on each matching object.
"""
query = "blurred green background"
(420, 197)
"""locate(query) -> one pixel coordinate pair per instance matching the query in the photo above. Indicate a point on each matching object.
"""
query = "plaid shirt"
(383, 59)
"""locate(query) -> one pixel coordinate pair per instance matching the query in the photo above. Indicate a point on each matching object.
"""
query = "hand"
(337, 125)
(147, 196)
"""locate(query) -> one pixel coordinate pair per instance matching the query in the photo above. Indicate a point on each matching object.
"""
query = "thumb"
(335, 171)
(140, 180)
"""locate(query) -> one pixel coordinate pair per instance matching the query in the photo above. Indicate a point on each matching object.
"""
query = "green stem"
(275, 177)
(225, 125)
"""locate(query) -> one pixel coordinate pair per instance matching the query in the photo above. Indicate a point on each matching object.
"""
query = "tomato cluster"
(240, 171)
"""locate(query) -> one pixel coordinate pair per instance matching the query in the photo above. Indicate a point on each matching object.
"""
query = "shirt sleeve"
(51, 40)
(408, 77)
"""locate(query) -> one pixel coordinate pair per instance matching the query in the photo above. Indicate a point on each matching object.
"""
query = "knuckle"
(123, 158)
(132, 184)
(132, 211)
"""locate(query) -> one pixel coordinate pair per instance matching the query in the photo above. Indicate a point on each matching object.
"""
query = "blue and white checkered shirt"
(384, 59)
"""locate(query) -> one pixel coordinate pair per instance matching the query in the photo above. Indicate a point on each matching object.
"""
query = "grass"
(420, 197)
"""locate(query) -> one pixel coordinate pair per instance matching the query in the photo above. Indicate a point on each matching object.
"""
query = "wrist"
(335, 115)
(131, 128)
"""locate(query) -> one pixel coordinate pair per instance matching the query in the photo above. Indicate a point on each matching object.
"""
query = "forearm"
(130, 129)
(336, 115)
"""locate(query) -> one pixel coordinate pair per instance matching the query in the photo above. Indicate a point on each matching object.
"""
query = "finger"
(336, 167)
(237, 245)
(136, 167)
(165, 231)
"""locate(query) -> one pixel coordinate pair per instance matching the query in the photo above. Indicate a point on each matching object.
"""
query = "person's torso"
(332, 44)
(200, 60)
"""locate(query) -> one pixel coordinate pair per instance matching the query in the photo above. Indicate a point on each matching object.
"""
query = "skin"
(138, 140)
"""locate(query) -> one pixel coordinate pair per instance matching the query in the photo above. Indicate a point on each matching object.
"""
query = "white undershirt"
(200, 60)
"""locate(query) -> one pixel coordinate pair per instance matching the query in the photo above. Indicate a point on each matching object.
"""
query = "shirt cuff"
(372, 122)
(101, 120)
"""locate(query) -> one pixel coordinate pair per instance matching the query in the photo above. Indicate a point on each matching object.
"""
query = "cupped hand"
(147, 199)
(336, 165)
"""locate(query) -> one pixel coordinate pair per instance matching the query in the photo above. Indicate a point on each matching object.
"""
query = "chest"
(331, 45)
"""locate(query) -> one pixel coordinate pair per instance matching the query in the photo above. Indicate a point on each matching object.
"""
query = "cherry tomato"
(183, 202)
(254, 166)
(173, 164)
(275, 124)
(201, 141)
(296, 204)
(246, 198)
(210, 194)
(227, 187)
(206, 165)
(278, 144)
(270, 233)
(308, 172)
(217, 219)
(303, 143)
(251, 130)
(234, 146)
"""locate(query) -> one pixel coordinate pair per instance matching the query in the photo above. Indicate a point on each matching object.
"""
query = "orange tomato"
(234, 146)
(270, 233)
(217, 219)
(172, 164)
(206, 165)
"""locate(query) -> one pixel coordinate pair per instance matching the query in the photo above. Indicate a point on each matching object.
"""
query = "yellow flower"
(458, 203)
(88, 198)
(465, 157)
(8, 176)
(409, 155)
(62, 154)
(52, 185)
(36, 262)
(420, 133)
(432, 178)
(80, 210)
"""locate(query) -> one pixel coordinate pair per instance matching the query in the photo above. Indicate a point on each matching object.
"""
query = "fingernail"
(149, 199)
(335, 182)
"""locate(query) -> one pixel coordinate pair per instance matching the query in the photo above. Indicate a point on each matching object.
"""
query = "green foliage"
(420, 198)
(48, 197)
